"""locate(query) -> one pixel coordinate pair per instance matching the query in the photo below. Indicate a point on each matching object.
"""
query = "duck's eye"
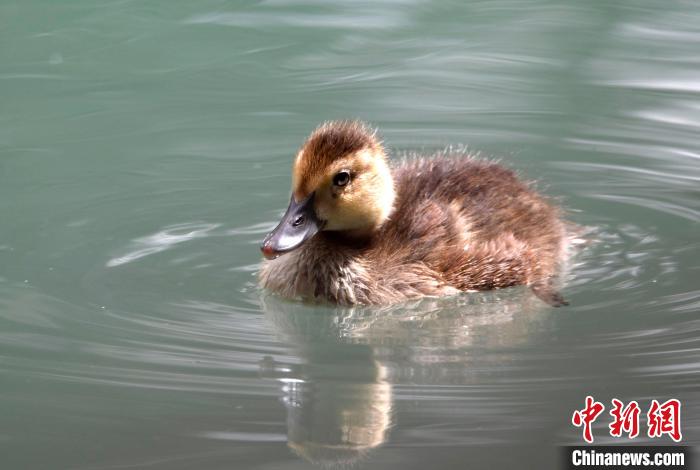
(341, 178)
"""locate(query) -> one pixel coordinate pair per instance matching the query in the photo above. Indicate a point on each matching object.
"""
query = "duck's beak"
(298, 225)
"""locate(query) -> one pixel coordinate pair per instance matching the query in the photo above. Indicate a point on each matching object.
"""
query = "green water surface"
(145, 150)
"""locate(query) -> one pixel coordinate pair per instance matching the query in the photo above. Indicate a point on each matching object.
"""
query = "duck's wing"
(477, 223)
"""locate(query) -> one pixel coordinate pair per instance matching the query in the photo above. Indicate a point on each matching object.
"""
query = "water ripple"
(163, 240)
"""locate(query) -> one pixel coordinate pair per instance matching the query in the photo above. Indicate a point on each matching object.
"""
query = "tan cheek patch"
(367, 200)
(352, 208)
(309, 174)
(324, 203)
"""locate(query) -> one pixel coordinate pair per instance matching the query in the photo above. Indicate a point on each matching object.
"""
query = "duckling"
(362, 230)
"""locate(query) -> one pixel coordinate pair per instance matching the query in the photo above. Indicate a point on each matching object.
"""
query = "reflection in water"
(339, 399)
(336, 412)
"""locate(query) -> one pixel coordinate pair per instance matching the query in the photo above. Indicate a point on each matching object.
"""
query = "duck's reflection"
(336, 415)
(339, 398)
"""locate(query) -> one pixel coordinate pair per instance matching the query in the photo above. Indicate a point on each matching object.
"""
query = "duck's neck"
(356, 238)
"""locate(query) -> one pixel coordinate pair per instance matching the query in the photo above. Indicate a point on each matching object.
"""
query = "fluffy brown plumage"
(454, 223)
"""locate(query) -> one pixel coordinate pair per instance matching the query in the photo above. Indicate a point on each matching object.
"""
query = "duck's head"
(340, 182)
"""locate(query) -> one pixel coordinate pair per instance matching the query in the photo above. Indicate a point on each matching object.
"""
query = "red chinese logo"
(662, 419)
(625, 419)
(665, 419)
(586, 417)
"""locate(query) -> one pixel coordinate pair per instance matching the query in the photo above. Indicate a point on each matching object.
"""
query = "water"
(145, 150)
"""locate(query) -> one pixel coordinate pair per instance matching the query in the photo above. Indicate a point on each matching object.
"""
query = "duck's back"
(471, 224)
